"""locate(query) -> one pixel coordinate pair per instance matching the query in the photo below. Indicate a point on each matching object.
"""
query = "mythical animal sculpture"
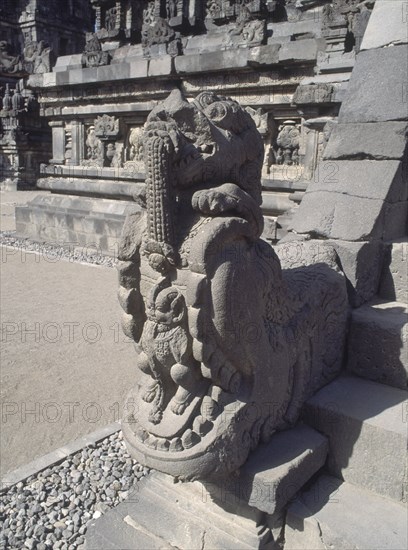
(229, 344)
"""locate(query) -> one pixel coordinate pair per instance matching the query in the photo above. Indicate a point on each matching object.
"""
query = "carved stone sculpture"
(229, 344)
(94, 149)
(247, 31)
(288, 141)
(9, 64)
(159, 33)
(37, 57)
(106, 127)
(134, 156)
(93, 55)
(7, 103)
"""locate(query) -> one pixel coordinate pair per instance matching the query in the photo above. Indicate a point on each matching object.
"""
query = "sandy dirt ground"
(65, 364)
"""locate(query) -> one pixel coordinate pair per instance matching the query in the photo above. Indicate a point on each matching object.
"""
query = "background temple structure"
(288, 62)
(324, 82)
(32, 35)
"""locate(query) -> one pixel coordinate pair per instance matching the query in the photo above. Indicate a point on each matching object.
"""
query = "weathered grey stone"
(67, 62)
(164, 514)
(127, 54)
(395, 220)
(379, 140)
(339, 216)
(160, 66)
(299, 51)
(195, 417)
(276, 471)
(385, 180)
(275, 203)
(293, 28)
(87, 186)
(231, 513)
(74, 221)
(366, 426)
(138, 68)
(226, 60)
(378, 34)
(355, 200)
(378, 343)
(119, 71)
(199, 44)
(361, 263)
(332, 514)
(314, 93)
(394, 276)
(260, 56)
(377, 88)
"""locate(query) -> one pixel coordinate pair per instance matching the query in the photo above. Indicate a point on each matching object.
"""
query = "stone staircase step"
(378, 343)
(275, 471)
(228, 515)
(366, 424)
(162, 514)
(394, 277)
(338, 515)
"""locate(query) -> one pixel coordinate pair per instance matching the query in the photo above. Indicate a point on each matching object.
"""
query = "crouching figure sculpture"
(229, 344)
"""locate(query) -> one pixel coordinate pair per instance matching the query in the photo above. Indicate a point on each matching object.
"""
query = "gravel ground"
(53, 508)
(9, 238)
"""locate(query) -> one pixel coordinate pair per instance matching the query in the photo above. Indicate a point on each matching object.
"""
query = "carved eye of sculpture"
(217, 111)
(205, 98)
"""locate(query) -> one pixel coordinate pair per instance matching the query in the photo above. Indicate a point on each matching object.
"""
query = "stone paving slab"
(366, 424)
(337, 515)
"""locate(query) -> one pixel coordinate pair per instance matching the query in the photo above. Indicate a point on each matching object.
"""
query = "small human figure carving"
(167, 353)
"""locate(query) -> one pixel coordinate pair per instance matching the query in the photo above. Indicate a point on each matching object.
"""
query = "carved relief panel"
(103, 147)
(134, 151)
(287, 143)
(283, 143)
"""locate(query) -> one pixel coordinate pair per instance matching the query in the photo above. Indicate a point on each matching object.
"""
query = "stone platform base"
(74, 221)
(162, 514)
(242, 513)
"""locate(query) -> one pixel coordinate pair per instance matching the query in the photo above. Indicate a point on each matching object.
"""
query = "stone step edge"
(298, 505)
(58, 455)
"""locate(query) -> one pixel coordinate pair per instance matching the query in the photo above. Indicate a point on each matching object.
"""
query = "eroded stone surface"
(224, 334)
(340, 515)
(394, 277)
(361, 263)
(373, 95)
(366, 426)
(379, 140)
(231, 513)
(394, 32)
(378, 340)
(353, 199)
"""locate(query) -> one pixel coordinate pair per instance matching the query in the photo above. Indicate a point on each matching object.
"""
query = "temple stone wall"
(288, 63)
(33, 34)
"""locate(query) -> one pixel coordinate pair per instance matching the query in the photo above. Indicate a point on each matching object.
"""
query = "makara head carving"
(228, 344)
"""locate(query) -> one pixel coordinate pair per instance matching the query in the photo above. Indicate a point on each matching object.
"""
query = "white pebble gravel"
(53, 508)
(53, 250)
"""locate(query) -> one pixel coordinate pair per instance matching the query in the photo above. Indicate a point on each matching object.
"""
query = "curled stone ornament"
(229, 344)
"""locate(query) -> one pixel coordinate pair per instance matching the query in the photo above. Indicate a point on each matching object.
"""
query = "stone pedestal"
(245, 512)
